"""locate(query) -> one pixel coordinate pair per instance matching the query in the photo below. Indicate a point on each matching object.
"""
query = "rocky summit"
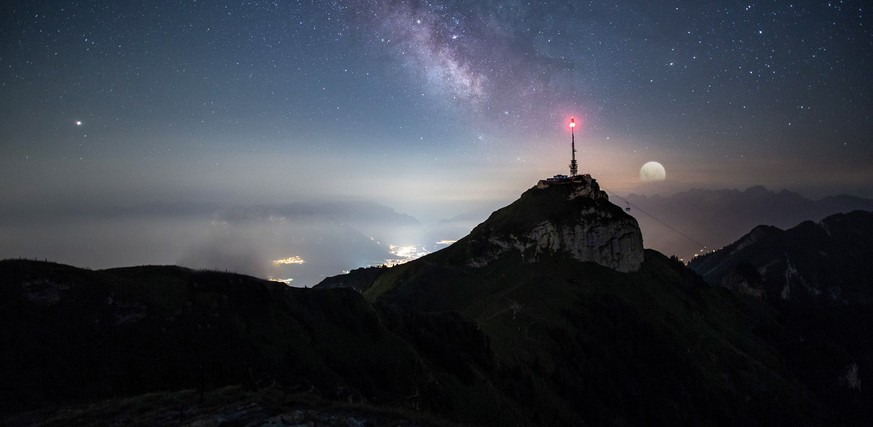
(563, 215)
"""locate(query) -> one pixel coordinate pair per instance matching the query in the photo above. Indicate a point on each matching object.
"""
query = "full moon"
(652, 171)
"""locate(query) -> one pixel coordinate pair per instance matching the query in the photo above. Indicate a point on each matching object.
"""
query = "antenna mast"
(574, 168)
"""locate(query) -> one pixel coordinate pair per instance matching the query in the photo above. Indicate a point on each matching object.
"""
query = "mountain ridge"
(696, 221)
(818, 277)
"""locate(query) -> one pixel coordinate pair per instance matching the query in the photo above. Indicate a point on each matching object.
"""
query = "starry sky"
(125, 110)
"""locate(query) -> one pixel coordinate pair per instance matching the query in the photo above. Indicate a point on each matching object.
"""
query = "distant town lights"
(289, 260)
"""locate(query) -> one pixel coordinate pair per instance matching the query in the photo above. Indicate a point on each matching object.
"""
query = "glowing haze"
(127, 127)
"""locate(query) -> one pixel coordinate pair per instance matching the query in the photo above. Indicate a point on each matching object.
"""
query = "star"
(78, 123)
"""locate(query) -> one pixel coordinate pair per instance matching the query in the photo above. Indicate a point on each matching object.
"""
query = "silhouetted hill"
(359, 279)
(819, 277)
(683, 223)
(74, 335)
(824, 262)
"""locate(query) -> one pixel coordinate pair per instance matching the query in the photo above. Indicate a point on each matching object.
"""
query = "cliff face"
(574, 218)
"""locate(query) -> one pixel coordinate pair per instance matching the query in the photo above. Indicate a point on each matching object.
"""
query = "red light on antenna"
(572, 123)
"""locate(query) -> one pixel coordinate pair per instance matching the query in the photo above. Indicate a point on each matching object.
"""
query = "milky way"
(470, 56)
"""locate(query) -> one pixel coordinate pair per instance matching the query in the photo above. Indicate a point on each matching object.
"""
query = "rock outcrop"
(571, 216)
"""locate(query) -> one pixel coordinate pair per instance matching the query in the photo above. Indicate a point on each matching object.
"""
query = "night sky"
(124, 114)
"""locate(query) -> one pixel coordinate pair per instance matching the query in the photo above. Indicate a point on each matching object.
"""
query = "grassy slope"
(578, 343)
(129, 331)
(66, 341)
(224, 406)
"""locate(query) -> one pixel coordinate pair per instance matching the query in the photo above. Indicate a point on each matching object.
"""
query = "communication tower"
(574, 167)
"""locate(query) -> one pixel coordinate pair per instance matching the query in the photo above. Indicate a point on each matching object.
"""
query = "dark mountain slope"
(819, 278)
(823, 263)
(72, 334)
(76, 336)
(577, 343)
(582, 343)
(359, 279)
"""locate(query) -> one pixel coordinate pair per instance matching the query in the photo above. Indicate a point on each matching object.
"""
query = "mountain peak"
(563, 215)
(579, 185)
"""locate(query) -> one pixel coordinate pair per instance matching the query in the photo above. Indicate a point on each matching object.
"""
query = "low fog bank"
(299, 243)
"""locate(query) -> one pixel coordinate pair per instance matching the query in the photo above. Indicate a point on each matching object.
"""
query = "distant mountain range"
(550, 312)
(686, 222)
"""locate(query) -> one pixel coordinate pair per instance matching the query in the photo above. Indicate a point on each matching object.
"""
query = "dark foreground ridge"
(819, 278)
(508, 326)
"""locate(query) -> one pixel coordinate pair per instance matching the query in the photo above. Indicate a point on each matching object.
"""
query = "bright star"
(78, 123)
